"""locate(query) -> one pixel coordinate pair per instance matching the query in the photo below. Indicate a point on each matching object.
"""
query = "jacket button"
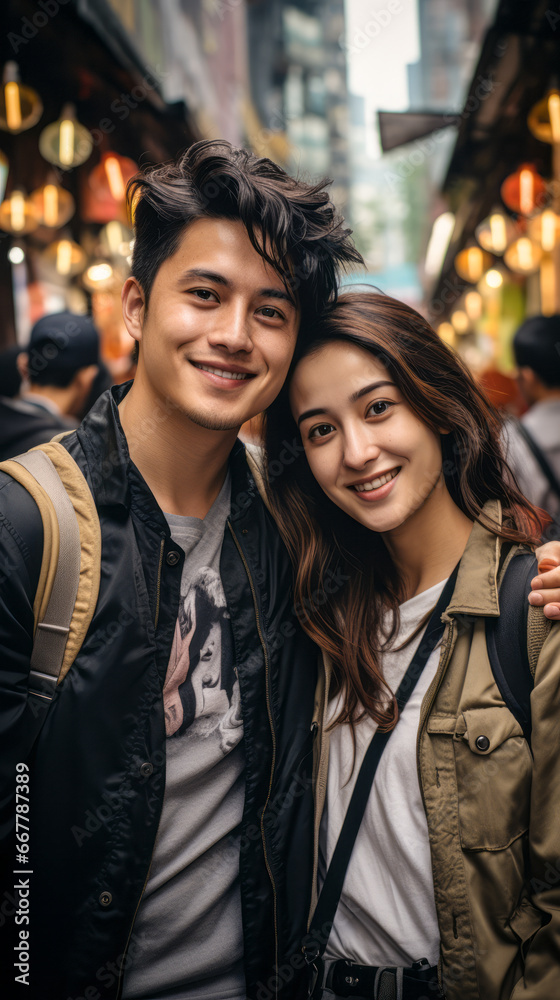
(147, 769)
(172, 558)
(482, 742)
(105, 898)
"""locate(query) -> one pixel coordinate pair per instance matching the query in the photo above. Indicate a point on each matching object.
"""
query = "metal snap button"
(105, 898)
(482, 742)
(172, 558)
(147, 769)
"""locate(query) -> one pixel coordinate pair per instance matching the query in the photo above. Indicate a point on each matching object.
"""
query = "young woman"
(399, 503)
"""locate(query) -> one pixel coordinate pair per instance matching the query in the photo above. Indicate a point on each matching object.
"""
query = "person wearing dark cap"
(534, 441)
(58, 369)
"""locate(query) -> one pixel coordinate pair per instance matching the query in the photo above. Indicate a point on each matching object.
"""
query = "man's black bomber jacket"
(94, 809)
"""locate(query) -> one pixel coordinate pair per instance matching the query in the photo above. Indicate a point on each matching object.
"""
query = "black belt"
(418, 982)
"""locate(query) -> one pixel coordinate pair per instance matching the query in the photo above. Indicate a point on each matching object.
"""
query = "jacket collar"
(115, 478)
(476, 590)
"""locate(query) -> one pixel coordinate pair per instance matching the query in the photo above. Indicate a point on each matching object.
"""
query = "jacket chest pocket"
(493, 766)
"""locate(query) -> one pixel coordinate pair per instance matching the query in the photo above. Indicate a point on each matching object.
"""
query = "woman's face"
(371, 455)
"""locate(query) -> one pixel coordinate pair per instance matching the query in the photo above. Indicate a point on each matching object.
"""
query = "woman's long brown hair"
(344, 578)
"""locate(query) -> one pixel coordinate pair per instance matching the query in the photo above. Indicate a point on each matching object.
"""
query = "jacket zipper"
(273, 736)
(121, 969)
(158, 585)
(156, 619)
(425, 711)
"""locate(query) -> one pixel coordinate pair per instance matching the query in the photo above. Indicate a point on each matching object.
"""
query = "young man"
(171, 810)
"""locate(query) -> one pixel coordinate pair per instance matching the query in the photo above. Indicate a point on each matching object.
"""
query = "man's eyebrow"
(220, 279)
(200, 272)
(353, 399)
(276, 293)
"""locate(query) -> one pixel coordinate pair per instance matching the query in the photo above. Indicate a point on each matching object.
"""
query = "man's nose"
(233, 332)
(359, 447)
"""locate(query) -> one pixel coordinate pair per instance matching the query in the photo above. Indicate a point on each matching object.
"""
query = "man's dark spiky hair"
(293, 225)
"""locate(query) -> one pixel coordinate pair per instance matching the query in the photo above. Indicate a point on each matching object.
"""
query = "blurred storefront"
(499, 239)
(92, 89)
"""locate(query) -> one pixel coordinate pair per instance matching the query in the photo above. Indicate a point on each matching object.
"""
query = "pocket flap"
(488, 728)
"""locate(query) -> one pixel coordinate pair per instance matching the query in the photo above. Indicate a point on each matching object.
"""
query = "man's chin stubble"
(212, 422)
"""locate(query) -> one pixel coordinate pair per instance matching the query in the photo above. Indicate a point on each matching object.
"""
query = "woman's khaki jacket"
(493, 815)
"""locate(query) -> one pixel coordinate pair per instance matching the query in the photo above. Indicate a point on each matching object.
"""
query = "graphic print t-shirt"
(187, 940)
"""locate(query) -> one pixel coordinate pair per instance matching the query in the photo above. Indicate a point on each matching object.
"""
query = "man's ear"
(22, 362)
(133, 307)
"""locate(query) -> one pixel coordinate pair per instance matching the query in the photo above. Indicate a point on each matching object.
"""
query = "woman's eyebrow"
(353, 399)
(368, 388)
(310, 413)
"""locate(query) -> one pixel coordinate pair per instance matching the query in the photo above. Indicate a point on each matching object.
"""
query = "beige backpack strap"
(53, 627)
(71, 566)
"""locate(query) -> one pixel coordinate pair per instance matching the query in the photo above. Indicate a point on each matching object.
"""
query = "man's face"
(220, 329)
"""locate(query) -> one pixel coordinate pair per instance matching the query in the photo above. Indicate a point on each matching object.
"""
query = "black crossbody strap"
(540, 457)
(321, 924)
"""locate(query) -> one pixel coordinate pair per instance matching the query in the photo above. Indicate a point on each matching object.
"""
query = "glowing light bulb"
(115, 178)
(548, 230)
(99, 272)
(460, 321)
(554, 114)
(114, 236)
(526, 192)
(473, 305)
(17, 211)
(474, 262)
(66, 142)
(64, 257)
(525, 253)
(494, 279)
(498, 232)
(16, 255)
(50, 204)
(13, 106)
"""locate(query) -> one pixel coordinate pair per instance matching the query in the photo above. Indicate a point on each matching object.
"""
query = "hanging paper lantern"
(524, 191)
(495, 232)
(471, 263)
(20, 106)
(18, 214)
(473, 305)
(544, 118)
(460, 321)
(523, 256)
(66, 142)
(64, 257)
(544, 229)
(54, 205)
(111, 176)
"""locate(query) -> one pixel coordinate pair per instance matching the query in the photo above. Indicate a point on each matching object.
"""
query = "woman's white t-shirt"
(386, 914)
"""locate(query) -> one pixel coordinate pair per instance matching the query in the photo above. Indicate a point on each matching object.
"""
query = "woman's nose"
(359, 448)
